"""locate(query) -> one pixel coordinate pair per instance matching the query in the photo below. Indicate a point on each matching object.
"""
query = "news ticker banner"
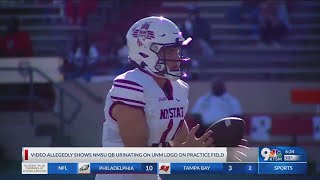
(110, 160)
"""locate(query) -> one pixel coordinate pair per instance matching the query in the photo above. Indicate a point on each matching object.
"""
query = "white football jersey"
(164, 114)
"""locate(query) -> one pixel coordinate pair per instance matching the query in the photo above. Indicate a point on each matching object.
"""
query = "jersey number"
(169, 128)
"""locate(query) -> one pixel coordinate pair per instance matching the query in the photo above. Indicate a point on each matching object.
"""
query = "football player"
(146, 106)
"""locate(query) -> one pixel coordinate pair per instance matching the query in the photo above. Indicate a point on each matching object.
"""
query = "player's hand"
(192, 141)
(181, 135)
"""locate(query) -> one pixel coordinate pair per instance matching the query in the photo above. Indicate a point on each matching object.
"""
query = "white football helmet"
(146, 37)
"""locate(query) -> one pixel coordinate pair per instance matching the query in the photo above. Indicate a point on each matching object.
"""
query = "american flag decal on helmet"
(143, 33)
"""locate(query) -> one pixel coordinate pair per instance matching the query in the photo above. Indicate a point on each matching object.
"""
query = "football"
(228, 132)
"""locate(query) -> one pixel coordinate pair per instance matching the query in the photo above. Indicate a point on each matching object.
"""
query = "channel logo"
(271, 155)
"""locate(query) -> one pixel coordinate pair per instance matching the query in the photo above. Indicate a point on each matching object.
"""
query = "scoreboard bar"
(159, 168)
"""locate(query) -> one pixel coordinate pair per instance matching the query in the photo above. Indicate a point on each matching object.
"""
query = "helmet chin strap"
(153, 73)
(167, 74)
(172, 76)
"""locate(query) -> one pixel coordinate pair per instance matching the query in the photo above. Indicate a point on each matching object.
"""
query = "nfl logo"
(164, 168)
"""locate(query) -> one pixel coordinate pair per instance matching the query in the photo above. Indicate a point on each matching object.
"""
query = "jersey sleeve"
(127, 92)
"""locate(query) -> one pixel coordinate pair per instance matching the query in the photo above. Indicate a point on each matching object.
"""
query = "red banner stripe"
(26, 154)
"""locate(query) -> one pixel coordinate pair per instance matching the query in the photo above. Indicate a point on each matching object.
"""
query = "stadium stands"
(235, 46)
(232, 42)
(46, 20)
(227, 37)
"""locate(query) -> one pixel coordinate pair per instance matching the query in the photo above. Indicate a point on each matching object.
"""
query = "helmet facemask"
(171, 63)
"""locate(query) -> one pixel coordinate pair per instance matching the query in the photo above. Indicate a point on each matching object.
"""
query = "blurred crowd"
(269, 20)
(15, 42)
